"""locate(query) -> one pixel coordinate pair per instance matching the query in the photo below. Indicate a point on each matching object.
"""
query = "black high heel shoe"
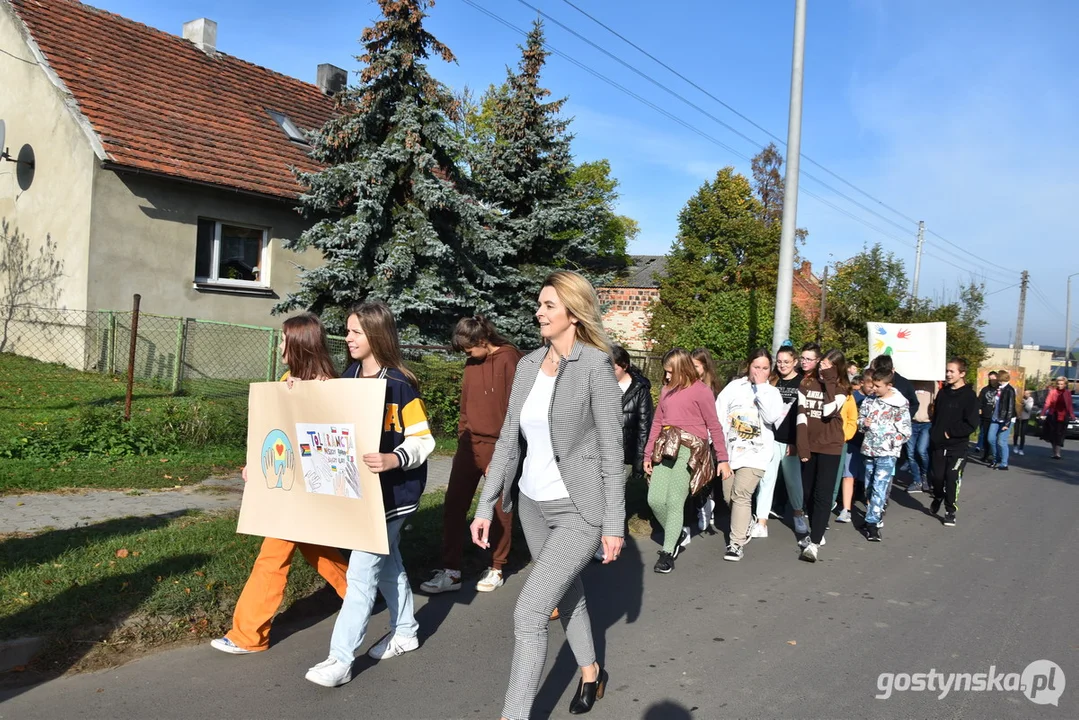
(588, 694)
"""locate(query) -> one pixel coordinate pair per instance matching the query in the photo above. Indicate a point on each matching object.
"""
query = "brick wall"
(627, 314)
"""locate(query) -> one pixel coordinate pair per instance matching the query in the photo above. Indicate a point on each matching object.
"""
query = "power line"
(731, 109)
(670, 69)
(1002, 290)
(701, 110)
(701, 133)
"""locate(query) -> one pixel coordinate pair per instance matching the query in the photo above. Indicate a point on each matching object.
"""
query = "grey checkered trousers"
(562, 535)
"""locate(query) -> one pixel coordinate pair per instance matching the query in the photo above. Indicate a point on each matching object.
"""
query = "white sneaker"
(225, 645)
(491, 581)
(800, 525)
(331, 672)
(442, 581)
(806, 542)
(810, 553)
(1020, 452)
(686, 539)
(391, 646)
(759, 531)
(704, 514)
(844, 516)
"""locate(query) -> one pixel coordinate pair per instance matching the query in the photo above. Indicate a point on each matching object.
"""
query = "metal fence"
(182, 355)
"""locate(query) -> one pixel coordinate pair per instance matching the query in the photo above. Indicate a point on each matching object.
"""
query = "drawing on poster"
(328, 458)
(278, 461)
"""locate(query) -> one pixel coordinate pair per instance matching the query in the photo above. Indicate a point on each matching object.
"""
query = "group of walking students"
(559, 431)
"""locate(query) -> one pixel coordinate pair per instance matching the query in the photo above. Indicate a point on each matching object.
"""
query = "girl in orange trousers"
(304, 350)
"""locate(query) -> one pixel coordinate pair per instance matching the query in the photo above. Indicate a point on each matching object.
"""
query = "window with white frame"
(232, 254)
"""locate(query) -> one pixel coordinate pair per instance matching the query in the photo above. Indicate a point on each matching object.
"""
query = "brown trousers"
(469, 465)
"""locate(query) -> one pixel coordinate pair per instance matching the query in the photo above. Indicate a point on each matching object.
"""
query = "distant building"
(1036, 362)
(629, 297)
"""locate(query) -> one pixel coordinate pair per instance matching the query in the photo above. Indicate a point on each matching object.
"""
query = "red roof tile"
(160, 104)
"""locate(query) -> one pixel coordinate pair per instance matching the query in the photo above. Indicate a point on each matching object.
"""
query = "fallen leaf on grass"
(164, 459)
(124, 586)
(168, 477)
(46, 582)
(187, 590)
(136, 553)
(122, 553)
(200, 573)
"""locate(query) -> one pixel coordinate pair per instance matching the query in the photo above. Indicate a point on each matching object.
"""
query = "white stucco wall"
(57, 202)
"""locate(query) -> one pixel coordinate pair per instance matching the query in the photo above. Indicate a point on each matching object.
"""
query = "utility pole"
(823, 303)
(1068, 329)
(781, 325)
(1019, 322)
(918, 261)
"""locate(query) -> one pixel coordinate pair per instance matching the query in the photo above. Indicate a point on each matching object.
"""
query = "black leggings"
(1019, 440)
(818, 482)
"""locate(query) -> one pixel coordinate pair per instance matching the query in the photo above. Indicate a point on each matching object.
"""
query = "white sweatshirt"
(749, 414)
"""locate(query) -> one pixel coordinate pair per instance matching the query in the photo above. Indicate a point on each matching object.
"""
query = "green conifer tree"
(524, 168)
(396, 219)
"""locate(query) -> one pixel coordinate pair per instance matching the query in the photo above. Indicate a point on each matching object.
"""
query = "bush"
(99, 430)
(440, 384)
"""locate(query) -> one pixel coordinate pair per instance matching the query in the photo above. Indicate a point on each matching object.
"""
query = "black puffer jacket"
(636, 419)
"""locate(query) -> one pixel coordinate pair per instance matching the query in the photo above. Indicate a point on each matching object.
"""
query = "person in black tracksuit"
(987, 403)
(955, 417)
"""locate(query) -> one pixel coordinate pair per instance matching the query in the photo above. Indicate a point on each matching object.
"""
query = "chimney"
(203, 33)
(331, 79)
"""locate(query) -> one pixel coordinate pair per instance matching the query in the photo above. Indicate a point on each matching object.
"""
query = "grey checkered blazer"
(586, 435)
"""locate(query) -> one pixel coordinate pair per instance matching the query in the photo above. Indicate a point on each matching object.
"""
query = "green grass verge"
(121, 473)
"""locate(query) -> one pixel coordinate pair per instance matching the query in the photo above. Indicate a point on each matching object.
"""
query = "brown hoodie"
(485, 394)
(820, 424)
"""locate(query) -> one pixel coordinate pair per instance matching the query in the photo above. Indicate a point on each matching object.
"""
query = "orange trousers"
(265, 588)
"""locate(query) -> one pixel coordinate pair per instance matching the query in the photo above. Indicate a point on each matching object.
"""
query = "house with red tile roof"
(156, 163)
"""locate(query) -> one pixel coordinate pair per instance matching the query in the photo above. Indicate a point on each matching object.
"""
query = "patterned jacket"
(586, 436)
(886, 424)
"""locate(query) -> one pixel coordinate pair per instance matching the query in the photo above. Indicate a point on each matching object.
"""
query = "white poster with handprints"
(328, 458)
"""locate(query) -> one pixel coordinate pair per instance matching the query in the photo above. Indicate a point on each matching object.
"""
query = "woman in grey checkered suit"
(565, 409)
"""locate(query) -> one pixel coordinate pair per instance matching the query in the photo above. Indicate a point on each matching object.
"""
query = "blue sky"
(961, 114)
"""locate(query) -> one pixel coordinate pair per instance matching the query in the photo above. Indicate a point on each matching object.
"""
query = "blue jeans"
(366, 572)
(878, 476)
(998, 442)
(918, 452)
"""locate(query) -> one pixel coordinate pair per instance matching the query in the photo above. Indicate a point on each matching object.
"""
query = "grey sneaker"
(844, 516)
(800, 525)
(810, 553)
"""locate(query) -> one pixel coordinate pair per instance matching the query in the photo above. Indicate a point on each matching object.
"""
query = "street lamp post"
(1068, 328)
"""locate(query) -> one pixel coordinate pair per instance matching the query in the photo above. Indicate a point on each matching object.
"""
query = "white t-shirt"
(540, 478)
(625, 382)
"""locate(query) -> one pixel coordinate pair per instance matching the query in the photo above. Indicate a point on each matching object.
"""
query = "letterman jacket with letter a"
(405, 433)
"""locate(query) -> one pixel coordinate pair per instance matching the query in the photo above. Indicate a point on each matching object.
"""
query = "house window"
(232, 254)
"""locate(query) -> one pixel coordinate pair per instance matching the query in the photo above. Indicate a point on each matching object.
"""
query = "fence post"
(131, 356)
(271, 356)
(181, 349)
(110, 363)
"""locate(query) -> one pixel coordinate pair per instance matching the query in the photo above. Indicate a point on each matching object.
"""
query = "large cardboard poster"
(306, 480)
(918, 350)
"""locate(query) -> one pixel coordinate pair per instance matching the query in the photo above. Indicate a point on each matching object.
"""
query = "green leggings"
(667, 495)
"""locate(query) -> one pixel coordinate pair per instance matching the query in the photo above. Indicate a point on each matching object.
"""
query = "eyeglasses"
(808, 359)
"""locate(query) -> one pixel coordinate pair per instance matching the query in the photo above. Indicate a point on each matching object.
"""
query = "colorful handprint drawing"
(278, 461)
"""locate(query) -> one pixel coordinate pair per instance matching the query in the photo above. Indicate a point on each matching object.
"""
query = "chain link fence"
(189, 356)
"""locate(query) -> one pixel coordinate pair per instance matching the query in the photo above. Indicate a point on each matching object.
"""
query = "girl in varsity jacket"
(401, 463)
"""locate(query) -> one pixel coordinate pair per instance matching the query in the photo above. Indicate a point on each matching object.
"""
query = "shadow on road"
(666, 710)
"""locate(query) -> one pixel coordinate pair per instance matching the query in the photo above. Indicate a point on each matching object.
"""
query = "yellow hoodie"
(849, 413)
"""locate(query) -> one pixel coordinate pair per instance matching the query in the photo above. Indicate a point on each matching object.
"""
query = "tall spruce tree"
(396, 218)
(524, 168)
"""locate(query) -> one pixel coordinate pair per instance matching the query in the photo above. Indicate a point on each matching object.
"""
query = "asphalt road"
(768, 637)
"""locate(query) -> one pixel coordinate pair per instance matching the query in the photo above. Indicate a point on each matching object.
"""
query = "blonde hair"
(377, 323)
(582, 303)
(683, 374)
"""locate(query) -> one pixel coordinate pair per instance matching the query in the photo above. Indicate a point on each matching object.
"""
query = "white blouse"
(540, 478)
